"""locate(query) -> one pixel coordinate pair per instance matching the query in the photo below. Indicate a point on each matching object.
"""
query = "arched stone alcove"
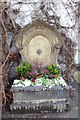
(38, 41)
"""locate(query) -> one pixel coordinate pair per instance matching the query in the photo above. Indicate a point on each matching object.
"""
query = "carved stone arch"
(40, 41)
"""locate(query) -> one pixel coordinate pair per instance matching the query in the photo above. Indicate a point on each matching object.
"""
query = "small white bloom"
(27, 82)
(16, 81)
(56, 82)
(38, 82)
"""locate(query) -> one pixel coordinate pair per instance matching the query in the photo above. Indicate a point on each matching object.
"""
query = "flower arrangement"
(32, 73)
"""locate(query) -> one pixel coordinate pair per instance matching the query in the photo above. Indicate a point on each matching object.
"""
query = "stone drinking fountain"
(38, 41)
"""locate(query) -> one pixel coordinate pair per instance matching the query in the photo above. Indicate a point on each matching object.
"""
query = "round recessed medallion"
(39, 48)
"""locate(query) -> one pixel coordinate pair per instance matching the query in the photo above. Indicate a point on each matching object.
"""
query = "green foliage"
(53, 69)
(28, 65)
(44, 81)
(26, 71)
(49, 67)
(24, 64)
(23, 69)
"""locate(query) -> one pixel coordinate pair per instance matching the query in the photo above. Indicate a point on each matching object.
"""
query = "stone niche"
(38, 41)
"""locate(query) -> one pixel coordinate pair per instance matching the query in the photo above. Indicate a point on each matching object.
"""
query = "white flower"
(27, 82)
(20, 85)
(56, 81)
(38, 82)
(16, 81)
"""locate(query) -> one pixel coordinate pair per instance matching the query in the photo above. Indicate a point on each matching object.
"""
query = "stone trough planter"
(37, 99)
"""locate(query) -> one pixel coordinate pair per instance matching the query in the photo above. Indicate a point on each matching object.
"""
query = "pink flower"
(28, 74)
(51, 75)
(34, 74)
(46, 71)
(33, 80)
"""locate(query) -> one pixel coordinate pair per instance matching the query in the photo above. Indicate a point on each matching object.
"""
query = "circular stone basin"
(41, 49)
